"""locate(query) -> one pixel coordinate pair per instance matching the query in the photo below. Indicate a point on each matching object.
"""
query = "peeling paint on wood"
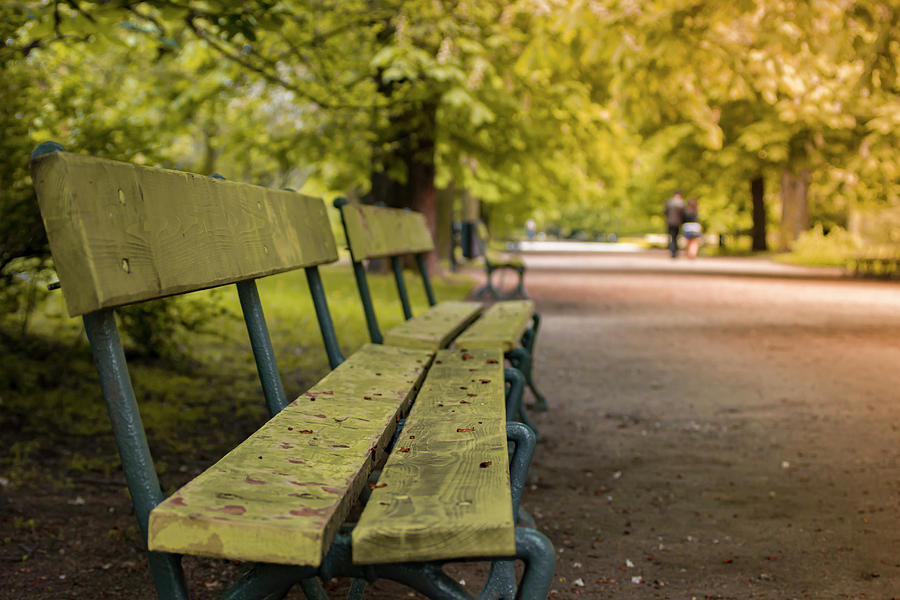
(434, 328)
(280, 496)
(376, 231)
(121, 233)
(446, 493)
(500, 326)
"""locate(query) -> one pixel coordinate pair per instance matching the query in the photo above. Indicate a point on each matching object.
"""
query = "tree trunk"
(759, 214)
(424, 200)
(411, 139)
(210, 153)
(794, 206)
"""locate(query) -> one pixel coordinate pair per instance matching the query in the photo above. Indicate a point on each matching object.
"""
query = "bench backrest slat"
(377, 232)
(122, 233)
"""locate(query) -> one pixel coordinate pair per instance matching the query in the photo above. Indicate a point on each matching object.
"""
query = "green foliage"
(582, 114)
(816, 248)
(157, 328)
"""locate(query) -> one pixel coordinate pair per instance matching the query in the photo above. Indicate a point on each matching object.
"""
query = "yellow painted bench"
(447, 483)
(375, 232)
(500, 326)
(122, 234)
(876, 261)
(496, 263)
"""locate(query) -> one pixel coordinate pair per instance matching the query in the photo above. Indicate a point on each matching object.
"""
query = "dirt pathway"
(717, 435)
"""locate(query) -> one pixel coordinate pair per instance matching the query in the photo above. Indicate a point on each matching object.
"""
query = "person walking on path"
(674, 217)
(691, 228)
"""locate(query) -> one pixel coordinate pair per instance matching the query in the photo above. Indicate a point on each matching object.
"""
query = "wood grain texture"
(280, 496)
(122, 233)
(444, 492)
(500, 326)
(376, 231)
(434, 328)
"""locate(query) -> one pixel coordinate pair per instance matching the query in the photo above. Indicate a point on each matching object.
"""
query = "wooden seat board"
(502, 260)
(376, 231)
(444, 492)
(500, 326)
(122, 233)
(280, 496)
(434, 328)
(493, 257)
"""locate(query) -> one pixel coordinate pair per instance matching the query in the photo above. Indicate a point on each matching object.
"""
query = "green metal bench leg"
(265, 580)
(520, 463)
(536, 551)
(143, 484)
(529, 337)
(515, 408)
(520, 358)
(312, 589)
(501, 581)
(520, 288)
(532, 548)
(488, 287)
(357, 587)
(520, 469)
(539, 557)
(261, 343)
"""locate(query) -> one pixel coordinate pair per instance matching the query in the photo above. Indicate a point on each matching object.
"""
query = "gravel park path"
(723, 428)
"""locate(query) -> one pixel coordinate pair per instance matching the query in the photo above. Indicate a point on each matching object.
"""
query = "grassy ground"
(196, 403)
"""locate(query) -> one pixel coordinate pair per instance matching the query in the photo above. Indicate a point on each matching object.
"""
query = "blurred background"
(781, 117)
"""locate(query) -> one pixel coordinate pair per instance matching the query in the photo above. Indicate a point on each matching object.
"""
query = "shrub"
(816, 248)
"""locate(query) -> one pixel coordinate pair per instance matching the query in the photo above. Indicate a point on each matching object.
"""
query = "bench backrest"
(121, 233)
(379, 232)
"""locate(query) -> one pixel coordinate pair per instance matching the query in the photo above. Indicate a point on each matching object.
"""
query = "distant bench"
(122, 234)
(510, 325)
(494, 262)
(880, 262)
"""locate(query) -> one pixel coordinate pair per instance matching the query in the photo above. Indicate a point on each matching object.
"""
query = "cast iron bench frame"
(494, 262)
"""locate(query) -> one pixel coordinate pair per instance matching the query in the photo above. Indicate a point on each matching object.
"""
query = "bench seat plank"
(280, 496)
(503, 260)
(444, 492)
(434, 328)
(500, 326)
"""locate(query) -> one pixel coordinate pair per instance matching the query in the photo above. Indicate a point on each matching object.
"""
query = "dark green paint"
(262, 346)
(397, 268)
(326, 325)
(426, 281)
(140, 474)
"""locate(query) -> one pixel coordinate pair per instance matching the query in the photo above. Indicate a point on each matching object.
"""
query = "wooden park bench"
(448, 490)
(498, 264)
(380, 232)
(876, 261)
